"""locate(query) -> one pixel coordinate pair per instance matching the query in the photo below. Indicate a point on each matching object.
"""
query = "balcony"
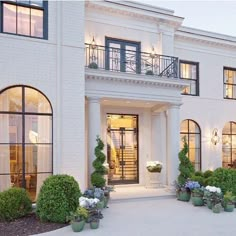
(128, 61)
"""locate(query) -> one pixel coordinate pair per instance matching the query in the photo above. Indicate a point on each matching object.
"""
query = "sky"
(216, 16)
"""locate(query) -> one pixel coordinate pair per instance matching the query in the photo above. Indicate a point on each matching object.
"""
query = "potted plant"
(93, 65)
(228, 201)
(182, 193)
(217, 208)
(154, 166)
(197, 196)
(213, 196)
(149, 72)
(77, 219)
(94, 222)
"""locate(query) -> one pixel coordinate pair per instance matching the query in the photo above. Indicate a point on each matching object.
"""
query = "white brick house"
(129, 72)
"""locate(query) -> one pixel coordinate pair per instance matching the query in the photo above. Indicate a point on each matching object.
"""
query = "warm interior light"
(33, 136)
(215, 137)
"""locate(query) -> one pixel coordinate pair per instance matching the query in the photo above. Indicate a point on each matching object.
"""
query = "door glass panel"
(130, 58)
(122, 151)
(114, 57)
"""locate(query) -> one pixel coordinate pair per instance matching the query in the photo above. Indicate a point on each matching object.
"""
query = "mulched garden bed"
(27, 225)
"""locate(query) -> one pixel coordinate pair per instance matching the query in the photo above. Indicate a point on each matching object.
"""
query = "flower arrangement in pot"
(182, 193)
(78, 218)
(154, 166)
(213, 197)
(228, 201)
(94, 218)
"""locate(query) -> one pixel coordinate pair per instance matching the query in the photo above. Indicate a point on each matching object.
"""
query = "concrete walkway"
(161, 215)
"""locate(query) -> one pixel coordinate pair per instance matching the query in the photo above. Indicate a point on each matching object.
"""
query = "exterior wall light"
(153, 53)
(93, 44)
(215, 137)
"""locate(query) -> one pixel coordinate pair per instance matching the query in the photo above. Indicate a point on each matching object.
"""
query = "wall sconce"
(153, 53)
(93, 44)
(215, 137)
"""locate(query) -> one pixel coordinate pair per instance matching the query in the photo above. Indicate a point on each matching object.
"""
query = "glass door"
(122, 56)
(122, 148)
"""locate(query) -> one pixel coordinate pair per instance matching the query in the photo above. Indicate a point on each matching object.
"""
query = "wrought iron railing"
(116, 59)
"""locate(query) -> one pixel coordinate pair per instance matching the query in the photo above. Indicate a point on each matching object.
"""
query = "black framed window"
(26, 18)
(192, 132)
(229, 145)
(26, 147)
(189, 71)
(229, 83)
(122, 55)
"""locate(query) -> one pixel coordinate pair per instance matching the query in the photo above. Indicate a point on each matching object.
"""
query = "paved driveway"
(162, 216)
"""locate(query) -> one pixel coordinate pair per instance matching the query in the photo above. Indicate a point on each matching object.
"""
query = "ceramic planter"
(94, 224)
(229, 207)
(77, 226)
(197, 200)
(215, 209)
(183, 196)
(209, 204)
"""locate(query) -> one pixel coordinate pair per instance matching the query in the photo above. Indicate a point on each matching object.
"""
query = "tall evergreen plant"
(97, 177)
(186, 168)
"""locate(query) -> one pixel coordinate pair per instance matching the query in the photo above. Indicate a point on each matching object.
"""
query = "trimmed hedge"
(224, 179)
(14, 203)
(59, 195)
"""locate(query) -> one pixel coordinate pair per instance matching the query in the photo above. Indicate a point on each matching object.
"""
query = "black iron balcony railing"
(115, 59)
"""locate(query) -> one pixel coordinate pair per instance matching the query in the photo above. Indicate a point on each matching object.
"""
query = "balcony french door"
(122, 149)
(122, 56)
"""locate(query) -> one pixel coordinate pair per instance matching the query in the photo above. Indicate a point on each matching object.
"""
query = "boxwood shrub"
(14, 203)
(224, 179)
(58, 196)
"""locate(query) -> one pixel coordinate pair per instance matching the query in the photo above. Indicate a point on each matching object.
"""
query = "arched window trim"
(188, 138)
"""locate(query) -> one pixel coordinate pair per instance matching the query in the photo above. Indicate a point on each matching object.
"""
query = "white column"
(94, 129)
(173, 132)
(159, 142)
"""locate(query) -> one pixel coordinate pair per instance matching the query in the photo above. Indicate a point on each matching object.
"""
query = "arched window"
(229, 145)
(191, 130)
(25, 139)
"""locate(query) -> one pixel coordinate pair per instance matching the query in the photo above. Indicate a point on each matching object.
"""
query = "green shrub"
(97, 177)
(198, 173)
(59, 195)
(14, 203)
(185, 166)
(224, 179)
(199, 179)
(208, 173)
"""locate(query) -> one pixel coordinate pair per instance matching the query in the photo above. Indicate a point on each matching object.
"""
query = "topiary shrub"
(198, 173)
(97, 177)
(58, 196)
(185, 166)
(14, 203)
(199, 179)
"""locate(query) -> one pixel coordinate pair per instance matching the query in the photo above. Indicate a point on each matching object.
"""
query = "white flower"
(213, 189)
(153, 163)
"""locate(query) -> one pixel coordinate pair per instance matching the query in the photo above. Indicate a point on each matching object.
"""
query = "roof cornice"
(138, 10)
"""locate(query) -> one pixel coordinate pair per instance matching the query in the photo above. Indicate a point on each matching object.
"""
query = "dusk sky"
(215, 16)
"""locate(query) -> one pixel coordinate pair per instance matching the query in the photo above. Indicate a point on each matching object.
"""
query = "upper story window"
(22, 17)
(229, 83)
(189, 71)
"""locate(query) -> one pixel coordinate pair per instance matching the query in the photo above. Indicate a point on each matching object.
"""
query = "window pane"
(36, 23)
(184, 126)
(9, 18)
(38, 129)
(36, 102)
(193, 127)
(23, 20)
(11, 128)
(11, 100)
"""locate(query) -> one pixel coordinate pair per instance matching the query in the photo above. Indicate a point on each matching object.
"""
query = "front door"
(122, 148)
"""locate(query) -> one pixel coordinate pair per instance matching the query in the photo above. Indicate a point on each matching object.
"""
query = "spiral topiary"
(185, 166)
(97, 177)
